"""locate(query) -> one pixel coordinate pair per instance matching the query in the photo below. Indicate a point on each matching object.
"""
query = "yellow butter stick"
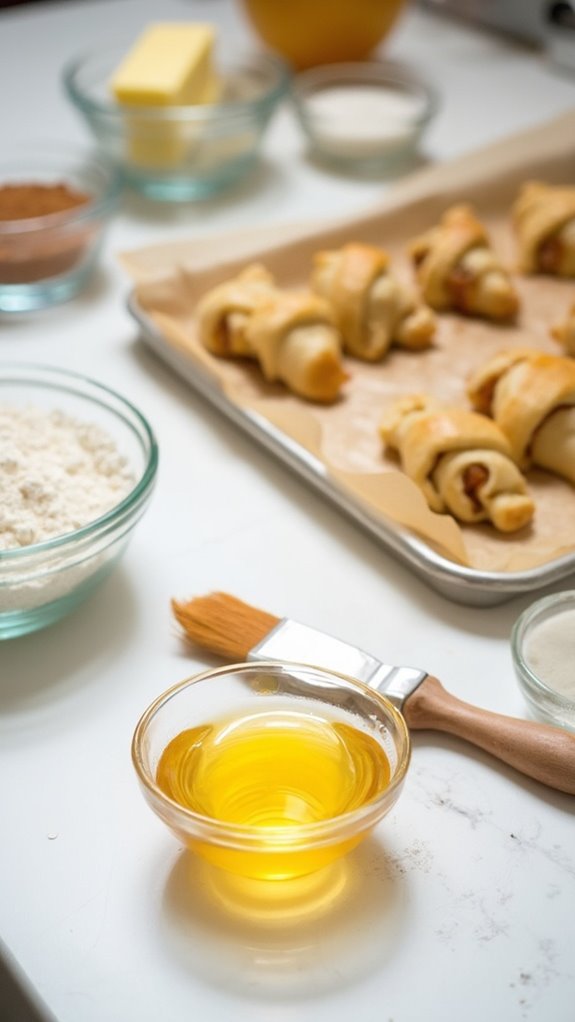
(170, 64)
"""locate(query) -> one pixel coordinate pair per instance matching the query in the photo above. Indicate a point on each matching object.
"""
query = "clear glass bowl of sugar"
(77, 469)
(543, 651)
(367, 115)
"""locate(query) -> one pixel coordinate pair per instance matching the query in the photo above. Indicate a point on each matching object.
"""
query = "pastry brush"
(237, 631)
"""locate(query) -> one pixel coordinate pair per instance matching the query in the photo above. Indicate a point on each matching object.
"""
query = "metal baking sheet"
(455, 581)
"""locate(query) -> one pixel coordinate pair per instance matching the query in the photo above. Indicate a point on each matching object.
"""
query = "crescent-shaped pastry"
(294, 337)
(372, 309)
(531, 396)
(565, 332)
(223, 312)
(457, 268)
(460, 460)
(544, 218)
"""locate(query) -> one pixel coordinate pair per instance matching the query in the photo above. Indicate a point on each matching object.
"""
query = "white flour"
(56, 474)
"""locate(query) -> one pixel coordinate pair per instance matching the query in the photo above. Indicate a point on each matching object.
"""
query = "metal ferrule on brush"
(293, 642)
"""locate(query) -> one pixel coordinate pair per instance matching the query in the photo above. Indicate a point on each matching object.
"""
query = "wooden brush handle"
(539, 750)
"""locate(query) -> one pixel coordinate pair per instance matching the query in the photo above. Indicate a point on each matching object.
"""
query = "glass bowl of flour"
(77, 468)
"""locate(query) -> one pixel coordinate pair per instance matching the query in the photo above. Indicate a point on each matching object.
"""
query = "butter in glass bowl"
(180, 121)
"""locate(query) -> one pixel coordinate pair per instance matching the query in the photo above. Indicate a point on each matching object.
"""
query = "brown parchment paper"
(169, 279)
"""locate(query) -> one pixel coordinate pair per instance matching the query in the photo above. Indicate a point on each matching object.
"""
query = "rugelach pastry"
(457, 269)
(294, 337)
(565, 332)
(292, 334)
(531, 396)
(460, 460)
(372, 309)
(544, 218)
(223, 313)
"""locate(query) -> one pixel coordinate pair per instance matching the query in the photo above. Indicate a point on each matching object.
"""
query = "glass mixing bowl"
(46, 259)
(543, 653)
(241, 692)
(184, 152)
(366, 115)
(42, 582)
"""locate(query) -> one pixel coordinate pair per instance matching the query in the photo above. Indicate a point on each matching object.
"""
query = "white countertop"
(461, 905)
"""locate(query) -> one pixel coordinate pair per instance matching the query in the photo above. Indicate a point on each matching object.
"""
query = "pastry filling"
(461, 281)
(550, 254)
(474, 477)
(231, 333)
(224, 335)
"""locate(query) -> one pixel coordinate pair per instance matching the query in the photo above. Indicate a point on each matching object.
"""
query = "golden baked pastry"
(544, 218)
(372, 309)
(460, 460)
(531, 396)
(565, 332)
(457, 268)
(294, 337)
(223, 312)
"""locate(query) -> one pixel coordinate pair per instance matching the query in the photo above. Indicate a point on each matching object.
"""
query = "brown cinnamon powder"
(44, 251)
(22, 201)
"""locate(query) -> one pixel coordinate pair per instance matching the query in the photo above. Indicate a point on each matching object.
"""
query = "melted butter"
(275, 769)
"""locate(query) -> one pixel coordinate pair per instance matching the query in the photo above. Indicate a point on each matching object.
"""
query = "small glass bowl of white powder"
(77, 468)
(543, 650)
(363, 116)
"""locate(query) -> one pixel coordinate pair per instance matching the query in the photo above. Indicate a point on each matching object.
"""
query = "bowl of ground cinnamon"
(55, 205)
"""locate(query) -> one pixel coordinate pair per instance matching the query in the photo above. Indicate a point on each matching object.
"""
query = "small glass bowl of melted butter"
(271, 771)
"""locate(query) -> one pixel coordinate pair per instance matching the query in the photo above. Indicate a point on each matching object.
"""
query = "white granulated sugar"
(56, 475)
(550, 652)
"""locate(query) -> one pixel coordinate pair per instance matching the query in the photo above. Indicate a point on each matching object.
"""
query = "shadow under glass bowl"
(49, 258)
(184, 152)
(42, 582)
(268, 850)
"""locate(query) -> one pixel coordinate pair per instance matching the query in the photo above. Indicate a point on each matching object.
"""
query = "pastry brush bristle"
(223, 624)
